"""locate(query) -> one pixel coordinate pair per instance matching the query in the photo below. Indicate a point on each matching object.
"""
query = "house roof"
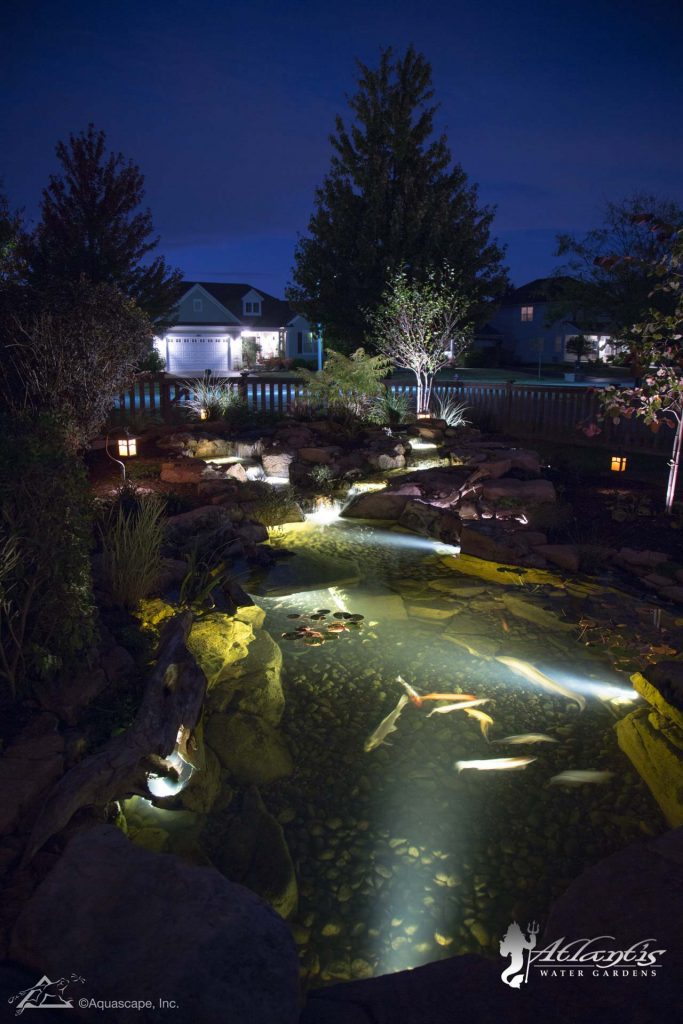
(542, 289)
(275, 313)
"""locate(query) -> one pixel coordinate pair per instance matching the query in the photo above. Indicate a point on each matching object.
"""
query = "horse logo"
(514, 944)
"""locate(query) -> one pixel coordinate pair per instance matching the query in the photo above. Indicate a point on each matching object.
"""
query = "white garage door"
(196, 354)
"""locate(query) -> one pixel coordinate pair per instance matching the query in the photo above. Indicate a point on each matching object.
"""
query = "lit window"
(527, 314)
(197, 305)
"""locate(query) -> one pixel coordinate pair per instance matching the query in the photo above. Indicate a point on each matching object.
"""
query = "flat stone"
(654, 746)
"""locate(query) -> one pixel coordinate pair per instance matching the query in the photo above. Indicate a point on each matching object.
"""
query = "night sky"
(227, 107)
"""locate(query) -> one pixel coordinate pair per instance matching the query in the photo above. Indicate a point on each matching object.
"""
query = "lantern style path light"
(618, 463)
(127, 448)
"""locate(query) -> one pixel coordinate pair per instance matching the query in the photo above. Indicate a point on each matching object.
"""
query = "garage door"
(196, 354)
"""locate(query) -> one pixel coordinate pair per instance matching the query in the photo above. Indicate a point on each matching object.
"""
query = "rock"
(185, 527)
(218, 641)
(253, 684)
(153, 611)
(487, 541)
(150, 838)
(564, 556)
(277, 462)
(29, 768)
(237, 472)
(386, 460)
(654, 746)
(532, 611)
(524, 492)
(173, 572)
(212, 448)
(672, 593)
(649, 559)
(254, 852)
(187, 933)
(375, 505)
(250, 749)
(182, 471)
(662, 686)
(320, 456)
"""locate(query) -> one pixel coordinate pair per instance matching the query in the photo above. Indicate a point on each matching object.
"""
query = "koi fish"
(419, 698)
(527, 737)
(495, 764)
(386, 726)
(579, 778)
(533, 675)
(460, 706)
(485, 721)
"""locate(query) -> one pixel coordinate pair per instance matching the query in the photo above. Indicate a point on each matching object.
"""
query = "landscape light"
(618, 463)
(127, 446)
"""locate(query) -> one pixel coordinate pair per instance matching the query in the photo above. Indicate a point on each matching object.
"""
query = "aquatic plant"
(212, 399)
(446, 407)
(273, 506)
(321, 477)
(131, 550)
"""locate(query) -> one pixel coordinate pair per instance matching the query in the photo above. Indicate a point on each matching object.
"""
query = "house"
(529, 334)
(226, 327)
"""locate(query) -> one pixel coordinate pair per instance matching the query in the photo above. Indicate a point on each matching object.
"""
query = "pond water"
(402, 859)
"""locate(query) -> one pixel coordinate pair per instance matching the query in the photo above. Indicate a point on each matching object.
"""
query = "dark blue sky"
(552, 108)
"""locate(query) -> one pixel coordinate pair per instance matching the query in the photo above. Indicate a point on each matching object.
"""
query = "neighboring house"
(522, 322)
(219, 326)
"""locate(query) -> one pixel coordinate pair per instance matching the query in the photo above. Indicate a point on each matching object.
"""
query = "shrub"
(218, 399)
(321, 477)
(251, 350)
(131, 550)
(46, 604)
(347, 386)
(390, 407)
(151, 362)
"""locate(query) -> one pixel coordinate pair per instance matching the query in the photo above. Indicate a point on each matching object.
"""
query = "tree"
(611, 271)
(581, 346)
(392, 199)
(421, 327)
(91, 228)
(73, 360)
(658, 398)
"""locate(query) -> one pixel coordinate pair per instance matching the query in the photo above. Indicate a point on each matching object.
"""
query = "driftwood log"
(172, 701)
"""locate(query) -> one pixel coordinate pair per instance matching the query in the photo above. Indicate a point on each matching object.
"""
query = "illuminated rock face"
(652, 737)
(251, 750)
(188, 934)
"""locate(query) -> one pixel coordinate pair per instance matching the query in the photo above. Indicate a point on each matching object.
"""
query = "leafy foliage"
(416, 325)
(274, 505)
(392, 198)
(46, 606)
(347, 386)
(613, 269)
(72, 361)
(581, 346)
(391, 407)
(91, 227)
(657, 399)
(131, 550)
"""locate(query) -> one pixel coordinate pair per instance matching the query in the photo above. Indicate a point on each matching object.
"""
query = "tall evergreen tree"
(392, 200)
(91, 228)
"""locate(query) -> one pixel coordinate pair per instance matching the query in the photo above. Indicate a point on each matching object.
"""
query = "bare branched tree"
(422, 327)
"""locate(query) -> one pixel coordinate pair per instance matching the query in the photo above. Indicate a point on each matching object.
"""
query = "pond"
(401, 857)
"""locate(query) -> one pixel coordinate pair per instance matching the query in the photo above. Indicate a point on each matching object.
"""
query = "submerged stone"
(250, 749)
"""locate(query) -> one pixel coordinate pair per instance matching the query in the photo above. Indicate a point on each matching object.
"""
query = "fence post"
(508, 405)
(164, 392)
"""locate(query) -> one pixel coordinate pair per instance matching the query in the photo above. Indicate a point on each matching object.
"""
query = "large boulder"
(320, 455)
(276, 462)
(217, 642)
(254, 852)
(487, 541)
(523, 492)
(251, 750)
(375, 505)
(253, 684)
(142, 925)
(28, 769)
(182, 471)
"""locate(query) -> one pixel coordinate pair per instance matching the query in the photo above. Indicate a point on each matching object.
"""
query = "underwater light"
(366, 487)
(422, 446)
(274, 481)
(161, 785)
